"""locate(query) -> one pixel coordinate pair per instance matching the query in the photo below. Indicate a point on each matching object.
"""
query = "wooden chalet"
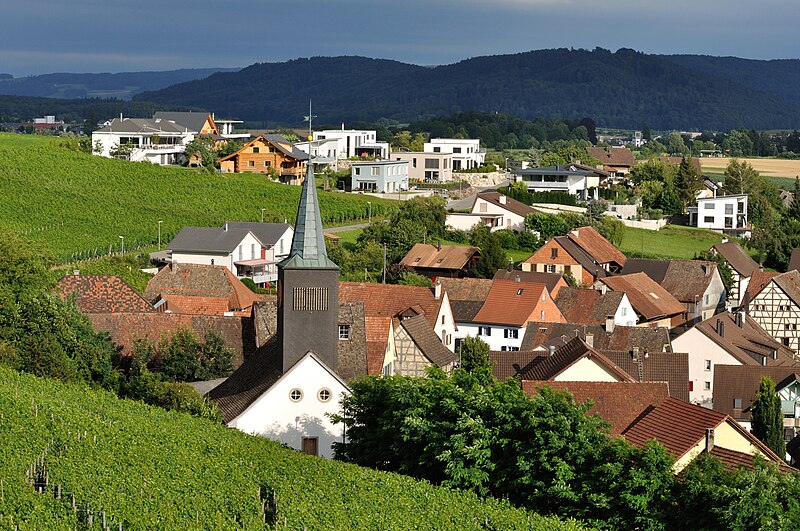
(268, 154)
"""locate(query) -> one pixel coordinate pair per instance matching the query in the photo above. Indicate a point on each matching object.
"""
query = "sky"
(44, 36)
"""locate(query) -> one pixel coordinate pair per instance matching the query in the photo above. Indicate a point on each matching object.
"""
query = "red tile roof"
(596, 246)
(758, 281)
(427, 256)
(649, 299)
(733, 460)
(550, 366)
(587, 305)
(510, 302)
(196, 305)
(749, 342)
(618, 403)
(199, 280)
(616, 156)
(101, 294)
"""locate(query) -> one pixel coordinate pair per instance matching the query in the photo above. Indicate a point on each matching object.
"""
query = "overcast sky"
(42, 36)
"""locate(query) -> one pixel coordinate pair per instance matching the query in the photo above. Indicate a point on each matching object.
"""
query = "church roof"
(308, 244)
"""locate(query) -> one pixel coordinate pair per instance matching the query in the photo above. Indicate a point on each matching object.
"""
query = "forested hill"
(122, 85)
(622, 89)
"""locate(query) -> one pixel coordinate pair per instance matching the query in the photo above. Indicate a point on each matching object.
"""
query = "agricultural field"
(672, 241)
(78, 205)
(780, 171)
(139, 467)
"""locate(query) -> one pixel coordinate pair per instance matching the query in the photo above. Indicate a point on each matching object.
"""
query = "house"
(552, 281)
(227, 129)
(591, 306)
(495, 210)
(697, 284)
(726, 214)
(688, 430)
(302, 359)
(653, 304)
(382, 176)
(408, 328)
(736, 386)
(47, 122)
(618, 403)
(467, 153)
(726, 339)
(202, 122)
(616, 160)
(466, 297)
(742, 268)
(353, 143)
(568, 179)
(775, 306)
(502, 319)
(249, 250)
(322, 153)
(441, 261)
(271, 154)
(143, 139)
(427, 167)
(102, 294)
(583, 252)
(199, 289)
(540, 336)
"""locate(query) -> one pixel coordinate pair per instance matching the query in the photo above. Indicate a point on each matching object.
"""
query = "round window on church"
(296, 395)
(324, 395)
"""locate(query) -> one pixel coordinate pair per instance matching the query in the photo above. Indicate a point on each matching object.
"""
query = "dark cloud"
(42, 36)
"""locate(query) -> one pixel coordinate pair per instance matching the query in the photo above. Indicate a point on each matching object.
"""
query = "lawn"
(672, 241)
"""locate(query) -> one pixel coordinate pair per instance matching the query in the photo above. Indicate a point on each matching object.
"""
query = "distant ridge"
(620, 89)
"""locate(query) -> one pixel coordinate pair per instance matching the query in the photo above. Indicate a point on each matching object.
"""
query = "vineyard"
(72, 456)
(80, 206)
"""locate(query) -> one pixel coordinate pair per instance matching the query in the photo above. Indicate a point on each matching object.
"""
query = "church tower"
(308, 287)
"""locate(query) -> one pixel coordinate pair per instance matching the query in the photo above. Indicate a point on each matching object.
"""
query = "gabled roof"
(686, 280)
(649, 299)
(466, 296)
(549, 367)
(742, 381)
(427, 341)
(144, 126)
(510, 302)
(737, 258)
(276, 141)
(102, 294)
(512, 205)
(618, 403)
(655, 366)
(507, 364)
(733, 460)
(572, 249)
(200, 280)
(744, 339)
(540, 335)
(194, 121)
(588, 305)
(391, 300)
(207, 239)
(758, 281)
(596, 246)
(616, 156)
(451, 257)
(790, 284)
(550, 280)
(266, 233)
(308, 242)
(794, 261)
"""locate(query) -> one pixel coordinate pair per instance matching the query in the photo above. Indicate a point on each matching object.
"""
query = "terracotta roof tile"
(790, 284)
(201, 281)
(427, 341)
(655, 366)
(617, 156)
(649, 299)
(553, 281)
(758, 281)
(549, 366)
(452, 257)
(466, 289)
(732, 382)
(510, 302)
(507, 364)
(540, 335)
(618, 403)
(683, 279)
(737, 258)
(102, 294)
(390, 300)
(749, 342)
(733, 460)
(587, 305)
(195, 304)
(593, 243)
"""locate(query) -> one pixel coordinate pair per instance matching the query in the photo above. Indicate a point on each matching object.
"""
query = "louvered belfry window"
(307, 299)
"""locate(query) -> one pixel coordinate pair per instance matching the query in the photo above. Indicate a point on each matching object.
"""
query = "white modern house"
(427, 167)
(723, 213)
(495, 210)
(467, 153)
(295, 409)
(248, 250)
(382, 176)
(570, 179)
(322, 153)
(354, 143)
(154, 140)
(227, 129)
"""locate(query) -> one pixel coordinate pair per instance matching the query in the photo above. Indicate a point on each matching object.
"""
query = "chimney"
(502, 199)
(603, 288)
(225, 228)
(576, 232)
(551, 350)
(511, 265)
(610, 324)
(439, 246)
(437, 290)
(590, 340)
(517, 279)
(704, 269)
(635, 353)
(720, 328)
(740, 319)
(724, 240)
(709, 439)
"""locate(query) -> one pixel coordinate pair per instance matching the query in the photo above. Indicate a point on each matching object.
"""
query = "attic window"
(324, 395)
(543, 330)
(519, 291)
(256, 150)
(737, 403)
(553, 252)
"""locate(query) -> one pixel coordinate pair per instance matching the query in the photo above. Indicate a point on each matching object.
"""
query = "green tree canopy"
(767, 417)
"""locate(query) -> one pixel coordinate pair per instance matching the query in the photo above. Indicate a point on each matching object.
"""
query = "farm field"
(79, 205)
(147, 468)
(672, 241)
(780, 171)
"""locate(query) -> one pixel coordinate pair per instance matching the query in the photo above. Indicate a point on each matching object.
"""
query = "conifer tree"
(767, 417)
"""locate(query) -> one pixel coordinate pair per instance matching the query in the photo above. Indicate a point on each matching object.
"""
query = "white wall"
(700, 348)
(445, 324)
(471, 155)
(586, 370)
(510, 220)
(711, 211)
(251, 250)
(276, 416)
(496, 340)
(625, 314)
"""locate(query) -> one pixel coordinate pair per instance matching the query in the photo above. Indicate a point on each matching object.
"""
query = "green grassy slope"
(673, 241)
(153, 469)
(79, 203)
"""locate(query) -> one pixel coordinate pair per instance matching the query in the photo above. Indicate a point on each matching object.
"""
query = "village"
(662, 349)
